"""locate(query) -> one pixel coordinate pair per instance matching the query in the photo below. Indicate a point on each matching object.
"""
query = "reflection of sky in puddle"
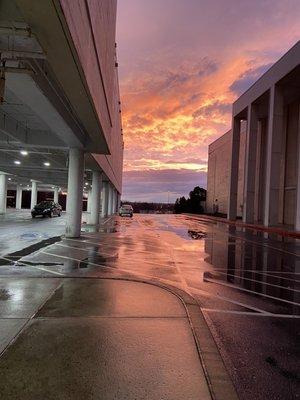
(182, 231)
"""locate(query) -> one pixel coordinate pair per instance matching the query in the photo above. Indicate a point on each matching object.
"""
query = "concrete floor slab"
(90, 297)
(18, 230)
(103, 359)
(21, 297)
(8, 330)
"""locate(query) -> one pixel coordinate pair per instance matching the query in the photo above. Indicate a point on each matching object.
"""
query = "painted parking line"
(116, 247)
(116, 240)
(252, 314)
(259, 272)
(25, 264)
(228, 300)
(128, 271)
(262, 282)
(250, 291)
(84, 249)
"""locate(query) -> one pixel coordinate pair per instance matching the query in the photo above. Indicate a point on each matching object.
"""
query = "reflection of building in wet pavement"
(245, 262)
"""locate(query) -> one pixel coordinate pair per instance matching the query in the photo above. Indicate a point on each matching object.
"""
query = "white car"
(126, 210)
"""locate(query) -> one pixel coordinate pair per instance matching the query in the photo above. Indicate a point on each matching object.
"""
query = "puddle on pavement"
(196, 235)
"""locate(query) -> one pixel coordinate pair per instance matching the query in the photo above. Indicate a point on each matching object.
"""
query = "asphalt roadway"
(246, 283)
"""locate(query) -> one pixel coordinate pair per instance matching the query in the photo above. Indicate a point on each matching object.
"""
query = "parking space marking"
(261, 272)
(117, 247)
(83, 249)
(46, 270)
(262, 282)
(250, 291)
(85, 241)
(158, 264)
(118, 241)
(27, 264)
(252, 314)
(128, 271)
(237, 303)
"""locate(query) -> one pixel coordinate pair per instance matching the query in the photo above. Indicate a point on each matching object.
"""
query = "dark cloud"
(187, 160)
(216, 108)
(154, 185)
(247, 79)
(208, 67)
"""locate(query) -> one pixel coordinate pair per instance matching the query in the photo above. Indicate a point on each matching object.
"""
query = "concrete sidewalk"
(100, 339)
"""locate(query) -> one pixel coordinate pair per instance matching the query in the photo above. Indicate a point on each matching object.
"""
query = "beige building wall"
(219, 155)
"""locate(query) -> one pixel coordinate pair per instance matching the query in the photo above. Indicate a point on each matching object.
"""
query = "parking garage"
(60, 118)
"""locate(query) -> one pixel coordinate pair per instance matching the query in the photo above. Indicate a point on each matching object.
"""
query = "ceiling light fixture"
(24, 152)
(17, 162)
(47, 164)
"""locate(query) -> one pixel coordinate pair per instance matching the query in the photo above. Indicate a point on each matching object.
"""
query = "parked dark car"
(46, 208)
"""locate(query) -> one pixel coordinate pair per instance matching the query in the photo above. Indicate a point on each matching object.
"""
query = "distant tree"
(180, 205)
(193, 203)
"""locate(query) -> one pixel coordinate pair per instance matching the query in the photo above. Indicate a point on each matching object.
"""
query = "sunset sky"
(182, 63)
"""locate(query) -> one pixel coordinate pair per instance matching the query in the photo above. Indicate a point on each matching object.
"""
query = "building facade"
(271, 178)
(219, 155)
(60, 110)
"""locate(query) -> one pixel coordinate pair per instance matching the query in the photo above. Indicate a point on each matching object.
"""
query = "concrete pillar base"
(3, 192)
(96, 198)
(19, 198)
(33, 194)
(75, 189)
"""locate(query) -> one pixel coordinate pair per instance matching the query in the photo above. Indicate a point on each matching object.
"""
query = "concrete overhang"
(59, 91)
(25, 88)
(286, 64)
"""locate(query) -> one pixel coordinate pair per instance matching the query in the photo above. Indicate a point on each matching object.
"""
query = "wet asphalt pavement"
(246, 283)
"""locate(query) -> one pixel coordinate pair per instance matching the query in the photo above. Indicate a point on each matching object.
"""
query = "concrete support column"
(75, 190)
(89, 200)
(104, 199)
(118, 201)
(274, 150)
(3, 192)
(114, 201)
(234, 169)
(109, 204)
(250, 164)
(96, 198)
(19, 197)
(33, 194)
(56, 195)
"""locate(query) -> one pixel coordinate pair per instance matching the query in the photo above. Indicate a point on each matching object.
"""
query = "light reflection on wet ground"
(245, 283)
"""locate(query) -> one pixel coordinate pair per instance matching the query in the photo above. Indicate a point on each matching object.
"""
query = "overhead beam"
(47, 105)
(12, 132)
